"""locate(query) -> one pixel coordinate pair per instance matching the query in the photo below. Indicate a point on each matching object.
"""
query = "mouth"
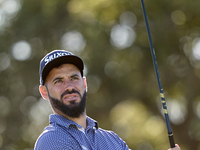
(70, 97)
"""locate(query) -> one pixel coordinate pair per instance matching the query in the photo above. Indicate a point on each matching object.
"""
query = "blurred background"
(111, 37)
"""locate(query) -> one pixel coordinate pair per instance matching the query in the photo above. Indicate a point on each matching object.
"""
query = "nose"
(68, 85)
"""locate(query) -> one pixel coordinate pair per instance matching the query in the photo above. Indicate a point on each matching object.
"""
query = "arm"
(175, 148)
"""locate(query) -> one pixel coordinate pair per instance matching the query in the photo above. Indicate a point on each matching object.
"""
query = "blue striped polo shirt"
(65, 134)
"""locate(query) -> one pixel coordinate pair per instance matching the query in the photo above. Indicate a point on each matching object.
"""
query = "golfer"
(62, 83)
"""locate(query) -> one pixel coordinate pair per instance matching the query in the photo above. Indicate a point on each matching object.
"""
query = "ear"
(85, 83)
(43, 92)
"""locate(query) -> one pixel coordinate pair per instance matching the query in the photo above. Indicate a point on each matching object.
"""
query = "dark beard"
(73, 110)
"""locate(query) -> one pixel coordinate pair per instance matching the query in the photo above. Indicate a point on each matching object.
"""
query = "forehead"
(64, 69)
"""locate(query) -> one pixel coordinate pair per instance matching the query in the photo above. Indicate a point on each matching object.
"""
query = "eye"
(74, 78)
(58, 81)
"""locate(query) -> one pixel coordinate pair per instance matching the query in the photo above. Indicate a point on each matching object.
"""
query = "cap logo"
(55, 55)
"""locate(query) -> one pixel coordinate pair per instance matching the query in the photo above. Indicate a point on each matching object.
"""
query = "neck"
(80, 120)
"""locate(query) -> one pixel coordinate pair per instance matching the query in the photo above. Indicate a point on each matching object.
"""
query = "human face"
(74, 110)
(66, 90)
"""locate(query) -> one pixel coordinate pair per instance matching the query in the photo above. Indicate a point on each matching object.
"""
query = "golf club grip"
(171, 140)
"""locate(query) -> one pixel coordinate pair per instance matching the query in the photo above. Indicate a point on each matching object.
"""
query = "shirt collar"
(63, 121)
(92, 123)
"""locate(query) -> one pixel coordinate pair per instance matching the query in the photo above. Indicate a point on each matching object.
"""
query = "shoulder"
(108, 133)
(52, 138)
(51, 132)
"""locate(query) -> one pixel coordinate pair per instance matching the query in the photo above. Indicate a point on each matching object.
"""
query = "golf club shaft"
(170, 134)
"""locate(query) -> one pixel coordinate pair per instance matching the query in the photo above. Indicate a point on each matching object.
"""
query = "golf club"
(170, 134)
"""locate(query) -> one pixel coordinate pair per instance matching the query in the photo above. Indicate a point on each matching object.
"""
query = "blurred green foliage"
(111, 38)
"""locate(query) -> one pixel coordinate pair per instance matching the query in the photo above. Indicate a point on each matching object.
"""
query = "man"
(63, 84)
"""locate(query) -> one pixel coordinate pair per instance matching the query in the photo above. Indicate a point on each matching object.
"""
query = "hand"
(175, 148)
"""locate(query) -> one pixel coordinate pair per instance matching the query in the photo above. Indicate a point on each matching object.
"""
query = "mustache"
(69, 92)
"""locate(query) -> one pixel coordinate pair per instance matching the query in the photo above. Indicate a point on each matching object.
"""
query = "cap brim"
(68, 59)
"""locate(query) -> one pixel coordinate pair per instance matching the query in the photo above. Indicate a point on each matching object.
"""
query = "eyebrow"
(74, 75)
(60, 78)
(57, 78)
